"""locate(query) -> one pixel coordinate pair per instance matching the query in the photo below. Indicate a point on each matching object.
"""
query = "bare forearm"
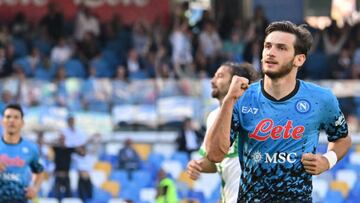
(340, 146)
(207, 166)
(217, 142)
(37, 180)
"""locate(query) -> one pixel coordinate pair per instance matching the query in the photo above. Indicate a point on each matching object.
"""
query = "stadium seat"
(100, 196)
(184, 177)
(334, 197)
(320, 188)
(113, 148)
(143, 150)
(47, 200)
(74, 68)
(172, 167)
(154, 162)
(197, 195)
(116, 200)
(120, 176)
(142, 178)
(355, 158)
(347, 175)
(147, 194)
(357, 148)
(341, 186)
(208, 183)
(71, 200)
(182, 157)
(130, 192)
(112, 187)
(98, 177)
(167, 150)
(103, 166)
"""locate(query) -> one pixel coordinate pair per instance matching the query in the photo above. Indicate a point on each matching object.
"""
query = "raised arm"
(217, 142)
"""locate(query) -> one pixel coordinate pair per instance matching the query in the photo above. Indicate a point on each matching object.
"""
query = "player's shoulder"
(29, 143)
(254, 88)
(315, 90)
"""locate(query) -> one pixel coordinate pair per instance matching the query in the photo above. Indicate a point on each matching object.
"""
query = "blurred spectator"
(166, 189)
(101, 66)
(5, 35)
(181, 45)
(74, 137)
(252, 54)
(46, 70)
(85, 22)
(6, 98)
(120, 90)
(340, 65)
(210, 46)
(88, 47)
(62, 167)
(46, 153)
(7, 57)
(129, 159)
(5, 67)
(188, 137)
(234, 47)
(135, 66)
(209, 41)
(96, 92)
(61, 52)
(53, 21)
(141, 38)
(84, 163)
(60, 88)
(334, 39)
(20, 26)
(29, 63)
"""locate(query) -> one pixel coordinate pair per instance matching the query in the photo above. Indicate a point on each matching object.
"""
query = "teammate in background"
(17, 157)
(277, 121)
(229, 168)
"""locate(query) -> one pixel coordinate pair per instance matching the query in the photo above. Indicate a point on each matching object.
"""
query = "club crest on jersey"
(302, 106)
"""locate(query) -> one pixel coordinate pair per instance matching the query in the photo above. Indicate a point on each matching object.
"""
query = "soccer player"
(229, 168)
(277, 121)
(17, 157)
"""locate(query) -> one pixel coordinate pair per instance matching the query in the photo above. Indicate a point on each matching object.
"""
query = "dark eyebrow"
(276, 44)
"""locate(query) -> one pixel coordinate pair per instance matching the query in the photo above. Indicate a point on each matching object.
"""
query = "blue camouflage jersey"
(277, 133)
(21, 160)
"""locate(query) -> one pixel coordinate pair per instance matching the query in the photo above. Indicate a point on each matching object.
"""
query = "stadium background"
(54, 69)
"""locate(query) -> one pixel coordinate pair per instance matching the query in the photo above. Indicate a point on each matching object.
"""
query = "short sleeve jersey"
(21, 160)
(273, 135)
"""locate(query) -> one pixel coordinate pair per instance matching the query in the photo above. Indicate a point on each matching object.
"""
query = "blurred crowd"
(84, 47)
(55, 49)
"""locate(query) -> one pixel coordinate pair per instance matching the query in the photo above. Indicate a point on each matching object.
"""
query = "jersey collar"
(291, 94)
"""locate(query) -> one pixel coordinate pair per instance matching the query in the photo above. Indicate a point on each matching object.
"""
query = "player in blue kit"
(277, 121)
(19, 159)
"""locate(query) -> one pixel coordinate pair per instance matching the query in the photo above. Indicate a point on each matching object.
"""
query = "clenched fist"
(194, 169)
(237, 87)
(314, 164)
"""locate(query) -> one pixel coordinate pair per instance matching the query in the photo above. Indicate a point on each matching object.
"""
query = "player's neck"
(11, 138)
(280, 87)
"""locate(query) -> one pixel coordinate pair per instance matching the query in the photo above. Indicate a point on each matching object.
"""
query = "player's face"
(278, 54)
(220, 83)
(12, 121)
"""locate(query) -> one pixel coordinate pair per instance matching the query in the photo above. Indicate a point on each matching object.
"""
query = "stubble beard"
(284, 70)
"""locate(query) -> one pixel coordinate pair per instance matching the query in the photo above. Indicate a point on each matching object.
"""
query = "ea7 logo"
(245, 109)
